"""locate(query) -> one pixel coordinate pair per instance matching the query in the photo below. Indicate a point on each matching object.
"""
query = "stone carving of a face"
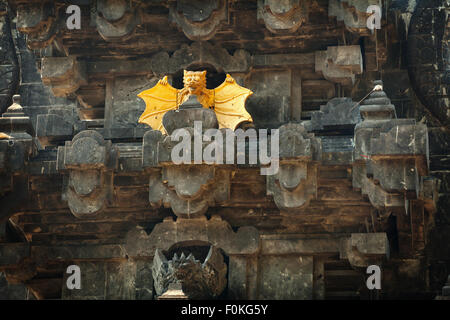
(194, 81)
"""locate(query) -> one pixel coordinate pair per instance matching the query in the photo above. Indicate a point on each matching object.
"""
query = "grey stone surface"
(283, 16)
(12, 291)
(351, 12)
(115, 19)
(200, 53)
(89, 160)
(199, 20)
(338, 113)
(270, 103)
(286, 278)
(295, 183)
(125, 107)
(64, 75)
(183, 118)
(38, 22)
(364, 249)
(214, 231)
(52, 128)
(340, 64)
(103, 281)
(9, 68)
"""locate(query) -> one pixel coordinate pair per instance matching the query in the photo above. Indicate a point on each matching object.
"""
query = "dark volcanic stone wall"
(410, 55)
(9, 68)
(417, 78)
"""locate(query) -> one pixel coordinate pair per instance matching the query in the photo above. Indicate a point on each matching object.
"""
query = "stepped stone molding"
(390, 155)
(364, 249)
(64, 75)
(17, 147)
(189, 189)
(337, 113)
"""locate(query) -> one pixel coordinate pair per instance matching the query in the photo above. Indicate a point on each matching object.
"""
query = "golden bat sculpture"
(227, 100)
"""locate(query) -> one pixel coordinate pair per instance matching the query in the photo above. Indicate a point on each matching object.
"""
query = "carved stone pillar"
(89, 161)
(189, 189)
(295, 184)
(391, 155)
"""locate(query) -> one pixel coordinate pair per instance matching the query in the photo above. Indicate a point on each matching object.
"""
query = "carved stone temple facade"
(363, 179)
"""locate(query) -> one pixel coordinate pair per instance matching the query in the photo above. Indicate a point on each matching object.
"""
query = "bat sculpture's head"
(194, 81)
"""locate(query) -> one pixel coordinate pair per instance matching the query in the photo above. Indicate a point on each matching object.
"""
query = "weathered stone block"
(338, 113)
(64, 75)
(340, 64)
(364, 249)
(52, 128)
(103, 281)
(116, 19)
(286, 278)
(352, 13)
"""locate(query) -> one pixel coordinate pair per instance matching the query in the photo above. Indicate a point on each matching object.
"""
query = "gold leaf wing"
(4, 136)
(158, 100)
(229, 101)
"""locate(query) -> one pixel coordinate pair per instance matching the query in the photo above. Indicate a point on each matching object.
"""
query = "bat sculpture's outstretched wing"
(229, 104)
(158, 100)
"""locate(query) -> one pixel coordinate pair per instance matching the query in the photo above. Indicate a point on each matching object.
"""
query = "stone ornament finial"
(14, 110)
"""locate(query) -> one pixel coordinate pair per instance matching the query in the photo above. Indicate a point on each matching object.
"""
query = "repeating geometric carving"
(199, 20)
(201, 53)
(283, 16)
